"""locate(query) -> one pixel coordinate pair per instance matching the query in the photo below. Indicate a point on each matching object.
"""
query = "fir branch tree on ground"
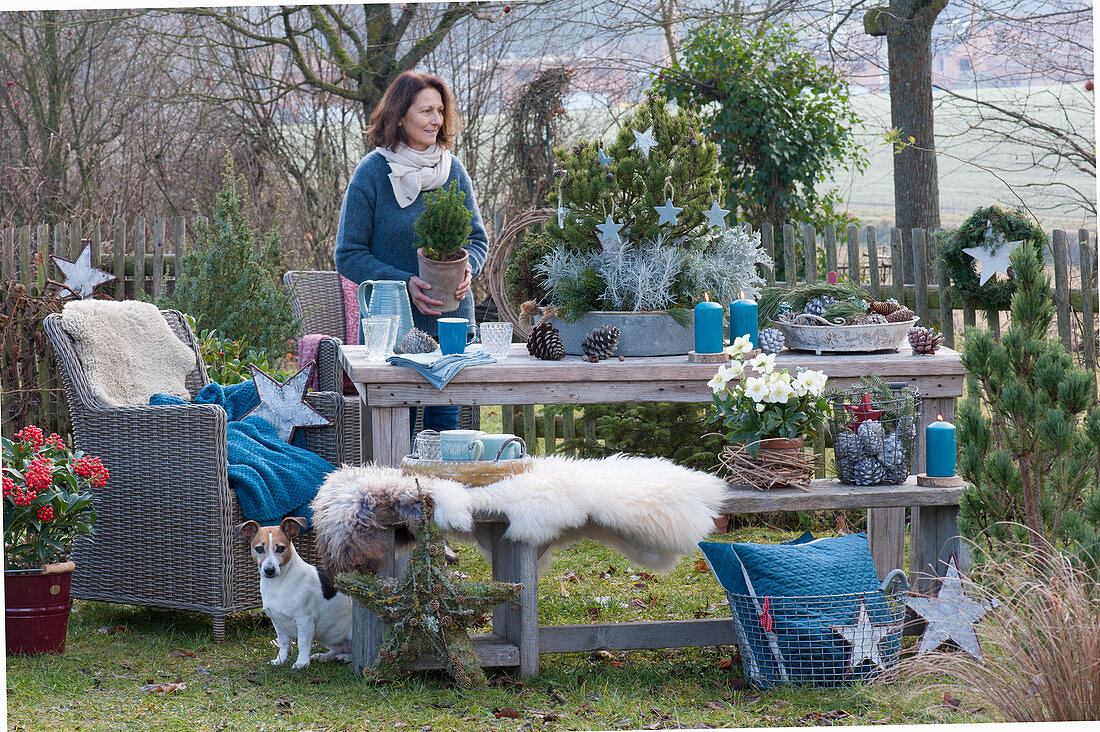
(229, 281)
(1029, 431)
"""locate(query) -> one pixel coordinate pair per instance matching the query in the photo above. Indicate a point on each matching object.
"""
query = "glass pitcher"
(386, 298)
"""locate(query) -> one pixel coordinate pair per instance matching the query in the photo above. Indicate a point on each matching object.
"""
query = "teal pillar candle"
(708, 327)
(939, 440)
(743, 317)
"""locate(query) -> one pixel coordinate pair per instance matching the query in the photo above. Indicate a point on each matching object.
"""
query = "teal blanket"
(273, 478)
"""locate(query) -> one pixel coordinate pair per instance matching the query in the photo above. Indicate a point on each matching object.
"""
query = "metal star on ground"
(951, 615)
(716, 216)
(609, 235)
(80, 276)
(864, 637)
(667, 213)
(427, 611)
(281, 403)
(643, 141)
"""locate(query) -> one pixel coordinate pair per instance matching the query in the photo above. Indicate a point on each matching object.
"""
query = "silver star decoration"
(994, 255)
(604, 158)
(80, 276)
(609, 235)
(643, 141)
(951, 615)
(667, 213)
(864, 637)
(281, 403)
(716, 216)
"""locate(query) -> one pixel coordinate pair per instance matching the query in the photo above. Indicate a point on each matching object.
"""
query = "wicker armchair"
(164, 527)
(318, 299)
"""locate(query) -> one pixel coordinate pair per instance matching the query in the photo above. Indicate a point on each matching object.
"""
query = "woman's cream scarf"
(413, 171)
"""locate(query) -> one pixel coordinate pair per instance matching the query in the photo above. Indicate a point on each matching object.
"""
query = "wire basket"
(874, 433)
(822, 640)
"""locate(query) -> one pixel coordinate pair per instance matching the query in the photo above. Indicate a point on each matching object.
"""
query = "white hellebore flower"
(781, 391)
(735, 370)
(760, 407)
(815, 381)
(718, 383)
(741, 345)
(756, 388)
(763, 362)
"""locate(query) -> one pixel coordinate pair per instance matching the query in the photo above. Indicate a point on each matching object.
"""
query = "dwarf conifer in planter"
(442, 231)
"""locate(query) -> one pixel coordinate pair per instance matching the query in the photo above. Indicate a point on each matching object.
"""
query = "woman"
(412, 129)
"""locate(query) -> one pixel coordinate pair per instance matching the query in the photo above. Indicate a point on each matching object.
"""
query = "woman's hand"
(464, 287)
(424, 303)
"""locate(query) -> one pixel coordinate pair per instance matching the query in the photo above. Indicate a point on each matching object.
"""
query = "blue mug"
(455, 335)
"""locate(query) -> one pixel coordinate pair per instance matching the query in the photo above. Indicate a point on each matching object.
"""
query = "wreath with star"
(996, 294)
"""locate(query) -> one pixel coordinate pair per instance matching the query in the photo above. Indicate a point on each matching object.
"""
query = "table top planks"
(523, 379)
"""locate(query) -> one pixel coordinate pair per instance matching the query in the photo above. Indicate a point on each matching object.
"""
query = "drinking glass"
(428, 445)
(377, 337)
(496, 338)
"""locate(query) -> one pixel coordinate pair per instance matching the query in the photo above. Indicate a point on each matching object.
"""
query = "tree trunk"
(909, 49)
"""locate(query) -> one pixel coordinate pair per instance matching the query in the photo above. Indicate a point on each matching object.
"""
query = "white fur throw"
(651, 509)
(128, 351)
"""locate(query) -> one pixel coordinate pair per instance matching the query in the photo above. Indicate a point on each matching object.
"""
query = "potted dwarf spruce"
(442, 231)
(47, 504)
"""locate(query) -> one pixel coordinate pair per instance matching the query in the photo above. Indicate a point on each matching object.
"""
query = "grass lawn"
(134, 669)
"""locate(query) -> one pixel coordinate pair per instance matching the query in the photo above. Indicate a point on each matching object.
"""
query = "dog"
(300, 600)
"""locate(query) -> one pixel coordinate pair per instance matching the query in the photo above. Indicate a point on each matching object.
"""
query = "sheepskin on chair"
(650, 509)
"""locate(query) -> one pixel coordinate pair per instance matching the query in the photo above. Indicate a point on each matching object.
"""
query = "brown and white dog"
(299, 600)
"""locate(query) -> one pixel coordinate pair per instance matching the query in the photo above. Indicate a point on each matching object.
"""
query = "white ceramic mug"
(462, 445)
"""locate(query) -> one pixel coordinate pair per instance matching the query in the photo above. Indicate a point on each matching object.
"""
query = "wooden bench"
(517, 639)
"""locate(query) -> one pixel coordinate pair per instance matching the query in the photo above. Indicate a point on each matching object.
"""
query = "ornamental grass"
(1041, 645)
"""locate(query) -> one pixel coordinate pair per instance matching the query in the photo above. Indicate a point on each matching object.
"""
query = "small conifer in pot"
(442, 231)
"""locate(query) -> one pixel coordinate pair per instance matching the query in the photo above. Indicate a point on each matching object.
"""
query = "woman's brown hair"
(384, 130)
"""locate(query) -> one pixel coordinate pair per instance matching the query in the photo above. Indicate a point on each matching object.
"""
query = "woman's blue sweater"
(375, 240)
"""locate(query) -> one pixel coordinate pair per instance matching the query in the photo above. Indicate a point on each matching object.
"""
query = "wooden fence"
(145, 254)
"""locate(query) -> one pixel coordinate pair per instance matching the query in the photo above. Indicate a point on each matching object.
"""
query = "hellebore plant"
(771, 403)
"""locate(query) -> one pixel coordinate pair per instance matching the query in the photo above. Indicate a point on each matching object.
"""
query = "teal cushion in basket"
(800, 647)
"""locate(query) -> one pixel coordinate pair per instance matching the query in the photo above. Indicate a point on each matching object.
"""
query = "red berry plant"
(47, 498)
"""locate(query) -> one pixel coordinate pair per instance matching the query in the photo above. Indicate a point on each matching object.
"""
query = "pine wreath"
(995, 294)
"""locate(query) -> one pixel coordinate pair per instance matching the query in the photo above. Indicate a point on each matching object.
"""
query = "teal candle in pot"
(939, 439)
(708, 327)
(743, 320)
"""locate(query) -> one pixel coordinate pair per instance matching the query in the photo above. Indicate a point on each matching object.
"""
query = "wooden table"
(386, 393)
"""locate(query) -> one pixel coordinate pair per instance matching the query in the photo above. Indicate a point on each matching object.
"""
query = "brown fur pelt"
(347, 518)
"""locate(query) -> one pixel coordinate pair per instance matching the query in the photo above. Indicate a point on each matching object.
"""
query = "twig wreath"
(996, 294)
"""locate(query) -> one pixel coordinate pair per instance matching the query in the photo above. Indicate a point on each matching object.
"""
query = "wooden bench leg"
(935, 537)
(517, 622)
(886, 536)
(366, 627)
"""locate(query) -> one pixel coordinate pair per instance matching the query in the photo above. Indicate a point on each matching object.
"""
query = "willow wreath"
(995, 294)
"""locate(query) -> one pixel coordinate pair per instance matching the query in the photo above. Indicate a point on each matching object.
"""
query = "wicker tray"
(470, 472)
(845, 338)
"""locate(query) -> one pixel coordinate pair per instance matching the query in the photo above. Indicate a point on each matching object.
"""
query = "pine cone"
(883, 308)
(601, 343)
(900, 315)
(545, 342)
(417, 341)
(924, 341)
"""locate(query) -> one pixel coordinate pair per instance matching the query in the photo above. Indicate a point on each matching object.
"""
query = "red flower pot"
(36, 609)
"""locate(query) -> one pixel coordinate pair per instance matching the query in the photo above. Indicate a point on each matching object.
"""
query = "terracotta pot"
(36, 609)
(444, 277)
(782, 444)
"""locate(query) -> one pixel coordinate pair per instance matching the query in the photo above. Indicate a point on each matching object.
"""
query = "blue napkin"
(439, 369)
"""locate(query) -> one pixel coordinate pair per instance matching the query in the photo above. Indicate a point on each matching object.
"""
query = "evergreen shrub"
(445, 226)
